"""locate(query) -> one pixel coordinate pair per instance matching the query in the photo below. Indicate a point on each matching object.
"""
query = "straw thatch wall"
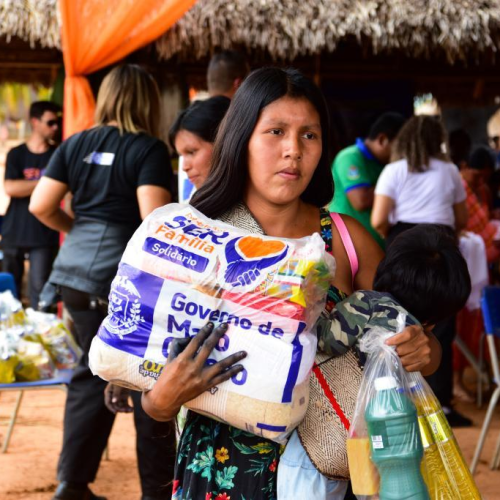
(456, 29)
(34, 21)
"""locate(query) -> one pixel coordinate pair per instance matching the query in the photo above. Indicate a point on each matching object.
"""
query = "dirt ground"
(27, 470)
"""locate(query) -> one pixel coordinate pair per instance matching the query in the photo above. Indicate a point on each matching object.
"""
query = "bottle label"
(439, 427)
(425, 432)
(377, 442)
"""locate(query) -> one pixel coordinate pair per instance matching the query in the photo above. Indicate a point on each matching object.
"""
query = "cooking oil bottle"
(444, 469)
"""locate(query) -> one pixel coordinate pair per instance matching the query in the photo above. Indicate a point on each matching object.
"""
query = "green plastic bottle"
(395, 443)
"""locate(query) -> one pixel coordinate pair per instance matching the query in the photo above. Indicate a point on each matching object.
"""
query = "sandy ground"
(27, 470)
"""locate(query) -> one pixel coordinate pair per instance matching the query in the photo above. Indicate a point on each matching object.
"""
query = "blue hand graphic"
(241, 272)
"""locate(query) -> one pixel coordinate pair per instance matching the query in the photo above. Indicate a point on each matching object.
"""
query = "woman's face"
(196, 154)
(284, 151)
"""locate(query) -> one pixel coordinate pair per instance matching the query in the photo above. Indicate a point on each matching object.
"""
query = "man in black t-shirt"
(22, 233)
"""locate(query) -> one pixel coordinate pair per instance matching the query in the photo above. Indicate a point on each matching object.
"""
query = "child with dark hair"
(424, 276)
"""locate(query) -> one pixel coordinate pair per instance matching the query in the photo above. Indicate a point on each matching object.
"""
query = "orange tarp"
(97, 33)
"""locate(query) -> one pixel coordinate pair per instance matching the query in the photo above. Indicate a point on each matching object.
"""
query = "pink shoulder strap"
(347, 241)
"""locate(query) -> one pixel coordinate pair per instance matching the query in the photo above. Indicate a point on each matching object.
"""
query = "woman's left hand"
(418, 350)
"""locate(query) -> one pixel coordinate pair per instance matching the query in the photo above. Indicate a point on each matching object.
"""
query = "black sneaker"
(456, 419)
(71, 491)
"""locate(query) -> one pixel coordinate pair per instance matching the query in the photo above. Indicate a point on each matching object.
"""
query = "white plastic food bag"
(181, 270)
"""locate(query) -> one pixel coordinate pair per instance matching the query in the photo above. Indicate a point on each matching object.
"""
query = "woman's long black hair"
(225, 185)
(202, 118)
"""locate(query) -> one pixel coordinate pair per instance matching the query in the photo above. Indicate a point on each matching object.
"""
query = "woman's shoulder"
(349, 153)
(394, 172)
(396, 166)
(72, 139)
(240, 216)
(440, 164)
(355, 228)
(140, 147)
(368, 254)
(90, 135)
(359, 235)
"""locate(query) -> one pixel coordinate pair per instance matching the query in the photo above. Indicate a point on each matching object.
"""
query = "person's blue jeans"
(298, 478)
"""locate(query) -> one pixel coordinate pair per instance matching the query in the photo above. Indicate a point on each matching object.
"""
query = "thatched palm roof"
(458, 29)
(34, 21)
(286, 29)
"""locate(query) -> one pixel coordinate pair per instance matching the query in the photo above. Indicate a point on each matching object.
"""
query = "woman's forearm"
(382, 228)
(149, 406)
(58, 220)
(382, 208)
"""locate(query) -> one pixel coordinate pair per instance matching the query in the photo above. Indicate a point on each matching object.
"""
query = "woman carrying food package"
(253, 255)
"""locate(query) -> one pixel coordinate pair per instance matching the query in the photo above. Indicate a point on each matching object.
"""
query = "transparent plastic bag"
(181, 270)
(28, 341)
(55, 337)
(400, 445)
(22, 358)
(11, 310)
(8, 358)
(384, 429)
(35, 362)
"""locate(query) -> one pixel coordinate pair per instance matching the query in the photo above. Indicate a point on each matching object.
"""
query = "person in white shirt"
(422, 185)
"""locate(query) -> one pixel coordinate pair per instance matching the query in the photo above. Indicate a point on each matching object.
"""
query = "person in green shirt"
(357, 168)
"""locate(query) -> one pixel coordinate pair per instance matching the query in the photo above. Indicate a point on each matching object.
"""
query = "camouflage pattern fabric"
(337, 375)
(353, 317)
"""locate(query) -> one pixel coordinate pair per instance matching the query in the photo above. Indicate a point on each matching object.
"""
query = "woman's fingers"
(417, 347)
(405, 336)
(226, 375)
(116, 399)
(176, 347)
(210, 342)
(413, 348)
(108, 396)
(198, 340)
(225, 363)
(415, 367)
(421, 358)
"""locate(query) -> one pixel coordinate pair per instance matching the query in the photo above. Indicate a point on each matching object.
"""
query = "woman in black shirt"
(116, 173)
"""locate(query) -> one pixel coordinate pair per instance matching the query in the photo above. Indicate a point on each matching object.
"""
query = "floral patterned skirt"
(219, 462)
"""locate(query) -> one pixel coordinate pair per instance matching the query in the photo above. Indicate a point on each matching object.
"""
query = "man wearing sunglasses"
(22, 234)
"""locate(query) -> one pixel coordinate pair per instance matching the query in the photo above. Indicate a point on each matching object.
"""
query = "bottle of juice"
(396, 447)
(444, 469)
(364, 475)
